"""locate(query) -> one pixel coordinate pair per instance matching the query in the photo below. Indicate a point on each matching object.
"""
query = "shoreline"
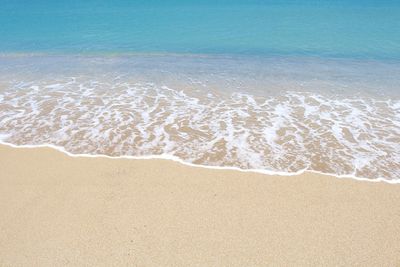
(61, 210)
(183, 162)
(289, 117)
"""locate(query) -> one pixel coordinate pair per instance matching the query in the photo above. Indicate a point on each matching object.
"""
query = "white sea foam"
(284, 133)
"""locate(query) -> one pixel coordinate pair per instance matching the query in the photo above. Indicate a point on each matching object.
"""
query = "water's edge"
(181, 161)
(322, 104)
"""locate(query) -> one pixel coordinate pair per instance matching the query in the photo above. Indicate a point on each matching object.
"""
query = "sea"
(268, 86)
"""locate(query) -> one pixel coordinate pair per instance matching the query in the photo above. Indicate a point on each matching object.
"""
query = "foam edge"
(176, 159)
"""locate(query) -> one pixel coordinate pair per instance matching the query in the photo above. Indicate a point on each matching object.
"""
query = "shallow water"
(282, 114)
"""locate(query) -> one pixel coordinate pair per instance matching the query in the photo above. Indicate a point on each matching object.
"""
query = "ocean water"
(355, 28)
(276, 86)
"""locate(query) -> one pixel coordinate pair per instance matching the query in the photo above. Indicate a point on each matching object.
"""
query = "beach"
(200, 133)
(58, 210)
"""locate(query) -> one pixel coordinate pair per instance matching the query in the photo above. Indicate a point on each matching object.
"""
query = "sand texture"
(57, 210)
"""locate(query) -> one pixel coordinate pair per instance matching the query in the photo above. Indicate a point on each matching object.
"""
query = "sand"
(57, 210)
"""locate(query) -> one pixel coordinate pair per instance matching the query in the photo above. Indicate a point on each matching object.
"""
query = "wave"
(289, 132)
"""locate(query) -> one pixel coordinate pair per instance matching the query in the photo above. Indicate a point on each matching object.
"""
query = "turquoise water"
(354, 28)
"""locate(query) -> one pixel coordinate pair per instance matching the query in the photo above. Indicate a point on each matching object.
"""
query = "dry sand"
(57, 210)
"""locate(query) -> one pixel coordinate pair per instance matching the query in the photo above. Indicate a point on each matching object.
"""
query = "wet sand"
(57, 210)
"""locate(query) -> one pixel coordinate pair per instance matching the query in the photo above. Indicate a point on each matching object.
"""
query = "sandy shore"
(57, 210)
